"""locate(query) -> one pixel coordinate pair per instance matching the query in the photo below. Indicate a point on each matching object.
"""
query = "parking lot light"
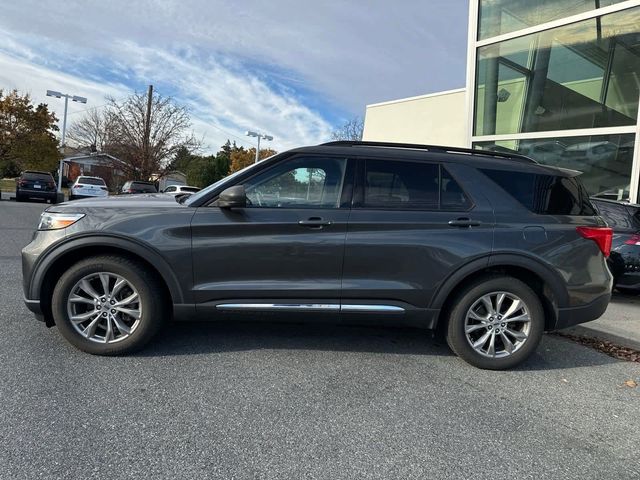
(74, 98)
(258, 135)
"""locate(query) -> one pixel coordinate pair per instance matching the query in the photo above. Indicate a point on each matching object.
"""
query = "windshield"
(205, 191)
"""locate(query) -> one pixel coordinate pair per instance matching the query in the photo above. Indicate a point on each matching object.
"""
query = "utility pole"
(147, 130)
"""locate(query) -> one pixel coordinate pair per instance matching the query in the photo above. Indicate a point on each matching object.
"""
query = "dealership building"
(557, 80)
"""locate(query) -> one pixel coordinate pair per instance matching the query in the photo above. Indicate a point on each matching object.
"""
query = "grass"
(7, 185)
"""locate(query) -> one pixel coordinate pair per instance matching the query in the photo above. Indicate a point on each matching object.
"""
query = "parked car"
(180, 189)
(138, 186)
(33, 184)
(85, 187)
(624, 261)
(492, 248)
(586, 156)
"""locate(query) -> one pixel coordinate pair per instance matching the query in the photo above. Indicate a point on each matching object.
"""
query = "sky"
(293, 69)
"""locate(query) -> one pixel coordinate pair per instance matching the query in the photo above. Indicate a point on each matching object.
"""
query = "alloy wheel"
(497, 324)
(104, 307)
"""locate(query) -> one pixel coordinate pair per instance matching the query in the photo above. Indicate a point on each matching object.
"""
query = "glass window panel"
(583, 75)
(605, 160)
(403, 185)
(497, 17)
(309, 182)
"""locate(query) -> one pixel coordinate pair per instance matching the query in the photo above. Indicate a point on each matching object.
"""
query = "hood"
(119, 202)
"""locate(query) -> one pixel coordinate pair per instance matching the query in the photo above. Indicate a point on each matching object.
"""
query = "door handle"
(314, 222)
(464, 222)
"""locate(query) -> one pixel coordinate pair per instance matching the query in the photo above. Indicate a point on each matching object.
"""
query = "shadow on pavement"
(625, 298)
(192, 338)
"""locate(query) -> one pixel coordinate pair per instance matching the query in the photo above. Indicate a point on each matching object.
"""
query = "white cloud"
(233, 61)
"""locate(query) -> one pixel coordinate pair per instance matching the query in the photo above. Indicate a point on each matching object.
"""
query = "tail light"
(51, 185)
(633, 240)
(104, 188)
(601, 235)
(77, 186)
(22, 183)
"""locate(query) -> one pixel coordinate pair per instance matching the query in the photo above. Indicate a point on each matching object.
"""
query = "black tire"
(150, 292)
(18, 197)
(457, 338)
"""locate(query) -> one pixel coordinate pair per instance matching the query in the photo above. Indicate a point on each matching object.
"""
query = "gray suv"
(490, 248)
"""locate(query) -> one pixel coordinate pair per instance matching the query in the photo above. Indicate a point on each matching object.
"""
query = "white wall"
(435, 119)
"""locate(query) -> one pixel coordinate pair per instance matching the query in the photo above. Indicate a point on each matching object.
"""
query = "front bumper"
(567, 317)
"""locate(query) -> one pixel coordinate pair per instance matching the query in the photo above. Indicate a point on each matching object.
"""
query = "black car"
(624, 261)
(138, 186)
(33, 184)
(491, 248)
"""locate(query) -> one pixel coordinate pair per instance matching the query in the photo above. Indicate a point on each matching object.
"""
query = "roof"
(430, 148)
(93, 158)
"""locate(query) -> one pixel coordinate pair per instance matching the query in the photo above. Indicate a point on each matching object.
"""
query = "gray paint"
(413, 260)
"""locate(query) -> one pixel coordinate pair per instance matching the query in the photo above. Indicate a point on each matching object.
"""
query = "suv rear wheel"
(496, 323)
(108, 305)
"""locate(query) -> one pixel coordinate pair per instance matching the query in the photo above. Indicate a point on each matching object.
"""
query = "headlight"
(55, 221)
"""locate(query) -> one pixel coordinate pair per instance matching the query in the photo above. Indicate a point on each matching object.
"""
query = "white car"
(85, 187)
(178, 189)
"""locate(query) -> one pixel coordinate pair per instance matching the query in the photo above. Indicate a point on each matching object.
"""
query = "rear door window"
(408, 185)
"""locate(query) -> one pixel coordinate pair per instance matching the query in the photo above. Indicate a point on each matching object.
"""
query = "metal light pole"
(259, 136)
(75, 98)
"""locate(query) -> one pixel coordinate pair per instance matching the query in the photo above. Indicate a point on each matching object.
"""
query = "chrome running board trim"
(332, 307)
(372, 308)
(279, 306)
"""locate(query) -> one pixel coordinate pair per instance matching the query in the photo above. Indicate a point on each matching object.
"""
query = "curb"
(582, 331)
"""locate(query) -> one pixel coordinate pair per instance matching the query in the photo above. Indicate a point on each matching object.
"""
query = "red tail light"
(23, 183)
(51, 185)
(77, 186)
(601, 235)
(633, 240)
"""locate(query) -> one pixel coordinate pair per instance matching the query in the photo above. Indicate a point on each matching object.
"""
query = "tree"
(241, 158)
(27, 139)
(92, 130)
(351, 130)
(121, 130)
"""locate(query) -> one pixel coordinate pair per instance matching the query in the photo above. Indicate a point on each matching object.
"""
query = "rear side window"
(91, 181)
(43, 177)
(544, 194)
(143, 187)
(411, 186)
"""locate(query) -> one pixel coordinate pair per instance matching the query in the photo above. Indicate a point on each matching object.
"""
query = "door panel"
(266, 253)
(402, 255)
(288, 243)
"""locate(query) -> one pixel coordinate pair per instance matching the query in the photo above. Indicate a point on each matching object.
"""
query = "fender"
(142, 250)
(546, 273)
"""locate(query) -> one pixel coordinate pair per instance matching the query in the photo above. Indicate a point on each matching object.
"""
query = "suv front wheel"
(108, 305)
(496, 323)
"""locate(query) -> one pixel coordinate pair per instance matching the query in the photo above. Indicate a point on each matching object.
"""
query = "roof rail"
(430, 148)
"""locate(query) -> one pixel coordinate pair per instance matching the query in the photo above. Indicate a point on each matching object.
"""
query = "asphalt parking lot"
(294, 401)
